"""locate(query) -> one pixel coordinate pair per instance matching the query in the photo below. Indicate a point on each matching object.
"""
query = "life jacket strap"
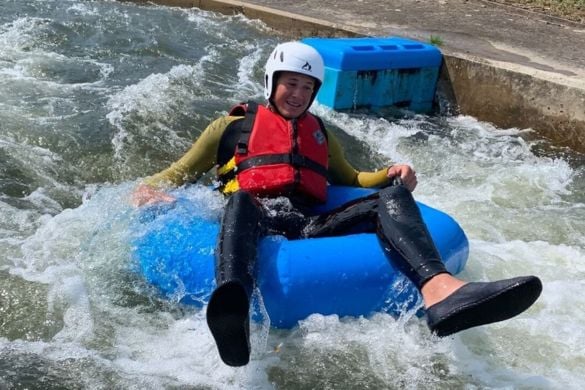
(246, 132)
(296, 160)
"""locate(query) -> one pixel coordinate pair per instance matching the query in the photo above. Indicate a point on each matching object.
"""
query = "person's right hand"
(145, 195)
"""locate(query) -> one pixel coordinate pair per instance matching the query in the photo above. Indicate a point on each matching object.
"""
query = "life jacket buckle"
(242, 148)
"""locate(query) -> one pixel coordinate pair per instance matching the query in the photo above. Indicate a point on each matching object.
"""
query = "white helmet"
(294, 57)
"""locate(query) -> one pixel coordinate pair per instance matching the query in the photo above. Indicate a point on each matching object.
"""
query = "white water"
(96, 95)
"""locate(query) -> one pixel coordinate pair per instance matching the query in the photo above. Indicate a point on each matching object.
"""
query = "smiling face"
(293, 94)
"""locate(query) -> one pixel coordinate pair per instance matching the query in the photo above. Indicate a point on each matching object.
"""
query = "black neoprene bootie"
(404, 235)
(229, 305)
(481, 303)
(228, 320)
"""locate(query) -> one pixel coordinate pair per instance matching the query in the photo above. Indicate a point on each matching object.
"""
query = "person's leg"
(357, 216)
(361, 215)
(227, 311)
(452, 305)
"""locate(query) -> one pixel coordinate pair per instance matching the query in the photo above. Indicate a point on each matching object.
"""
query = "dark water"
(94, 95)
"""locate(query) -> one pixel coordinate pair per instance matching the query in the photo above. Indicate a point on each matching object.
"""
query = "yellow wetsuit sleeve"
(202, 156)
(197, 161)
(342, 173)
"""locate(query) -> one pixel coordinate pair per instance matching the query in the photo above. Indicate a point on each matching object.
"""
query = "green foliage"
(436, 40)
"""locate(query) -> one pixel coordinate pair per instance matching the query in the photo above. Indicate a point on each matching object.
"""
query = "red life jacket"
(275, 156)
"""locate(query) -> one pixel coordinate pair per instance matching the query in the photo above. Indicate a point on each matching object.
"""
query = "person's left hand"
(406, 173)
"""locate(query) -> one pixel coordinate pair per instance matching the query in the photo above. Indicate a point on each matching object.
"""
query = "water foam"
(523, 213)
(154, 97)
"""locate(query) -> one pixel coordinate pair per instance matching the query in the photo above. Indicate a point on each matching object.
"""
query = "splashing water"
(96, 95)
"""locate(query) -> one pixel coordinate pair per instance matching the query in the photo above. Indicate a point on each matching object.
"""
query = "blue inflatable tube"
(347, 276)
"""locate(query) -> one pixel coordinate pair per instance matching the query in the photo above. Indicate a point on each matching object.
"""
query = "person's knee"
(241, 199)
(393, 192)
(242, 211)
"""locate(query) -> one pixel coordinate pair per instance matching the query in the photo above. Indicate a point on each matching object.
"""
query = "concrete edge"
(511, 99)
(505, 95)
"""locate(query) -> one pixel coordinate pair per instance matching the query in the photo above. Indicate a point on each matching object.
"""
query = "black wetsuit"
(392, 213)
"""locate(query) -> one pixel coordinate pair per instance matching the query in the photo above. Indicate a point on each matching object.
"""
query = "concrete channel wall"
(503, 91)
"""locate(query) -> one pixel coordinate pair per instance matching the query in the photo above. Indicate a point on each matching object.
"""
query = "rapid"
(95, 95)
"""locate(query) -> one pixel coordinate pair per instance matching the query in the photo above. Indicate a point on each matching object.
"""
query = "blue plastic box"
(377, 72)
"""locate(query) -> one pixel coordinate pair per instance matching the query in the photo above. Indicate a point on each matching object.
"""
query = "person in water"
(275, 162)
